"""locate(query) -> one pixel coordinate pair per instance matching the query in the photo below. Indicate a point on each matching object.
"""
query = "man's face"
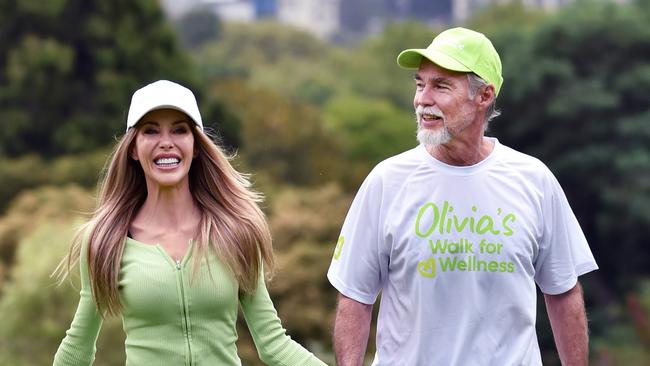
(443, 107)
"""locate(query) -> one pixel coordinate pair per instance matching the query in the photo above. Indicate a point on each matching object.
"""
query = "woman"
(176, 244)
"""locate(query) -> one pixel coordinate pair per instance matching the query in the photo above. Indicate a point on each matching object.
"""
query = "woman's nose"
(166, 140)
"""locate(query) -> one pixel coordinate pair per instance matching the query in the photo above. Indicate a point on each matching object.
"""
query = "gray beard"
(433, 138)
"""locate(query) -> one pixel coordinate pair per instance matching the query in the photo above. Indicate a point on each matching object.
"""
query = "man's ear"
(487, 95)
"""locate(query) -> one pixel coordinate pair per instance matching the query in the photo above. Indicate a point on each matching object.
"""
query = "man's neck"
(462, 152)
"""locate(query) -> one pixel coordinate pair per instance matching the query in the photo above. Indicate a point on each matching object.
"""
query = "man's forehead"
(429, 70)
(431, 76)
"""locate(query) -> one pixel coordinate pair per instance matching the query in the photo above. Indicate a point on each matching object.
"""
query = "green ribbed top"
(170, 319)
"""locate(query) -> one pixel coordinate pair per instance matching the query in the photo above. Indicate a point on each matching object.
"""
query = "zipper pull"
(178, 264)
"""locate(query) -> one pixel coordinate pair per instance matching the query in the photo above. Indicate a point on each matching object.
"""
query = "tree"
(575, 95)
(65, 85)
(510, 15)
(280, 138)
(272, 56)
(305, 223)
(39, 226)
(369, 131)
(31, 171)
(371, 68)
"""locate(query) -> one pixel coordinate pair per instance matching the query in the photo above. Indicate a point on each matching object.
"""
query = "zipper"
(186, 322)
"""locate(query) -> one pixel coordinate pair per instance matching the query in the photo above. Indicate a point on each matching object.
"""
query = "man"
(457, 232)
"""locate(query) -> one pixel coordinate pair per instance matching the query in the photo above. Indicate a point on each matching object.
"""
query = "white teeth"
(430, 116)
(162, 161)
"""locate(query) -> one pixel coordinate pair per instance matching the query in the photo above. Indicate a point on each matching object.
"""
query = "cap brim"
(133, 121)
(411, 58)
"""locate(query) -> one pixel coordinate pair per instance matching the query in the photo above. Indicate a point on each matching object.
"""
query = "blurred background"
(308, 95)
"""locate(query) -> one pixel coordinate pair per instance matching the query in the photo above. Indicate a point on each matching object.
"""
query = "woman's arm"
(78, 346)
(273, 345)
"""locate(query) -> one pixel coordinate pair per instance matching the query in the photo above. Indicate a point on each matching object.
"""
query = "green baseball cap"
(459, 49)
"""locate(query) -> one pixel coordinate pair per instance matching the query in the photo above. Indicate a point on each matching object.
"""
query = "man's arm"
(351, 330)
(566, 312)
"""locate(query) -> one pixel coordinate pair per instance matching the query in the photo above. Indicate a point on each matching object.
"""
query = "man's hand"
(569, 323)
(351, 329)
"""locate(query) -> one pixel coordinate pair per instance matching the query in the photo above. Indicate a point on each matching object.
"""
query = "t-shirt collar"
(461, 170)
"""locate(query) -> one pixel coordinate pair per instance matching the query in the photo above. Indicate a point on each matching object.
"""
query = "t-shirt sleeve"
(78, 346)
(564, 253)
(274, 346)
(360, 263)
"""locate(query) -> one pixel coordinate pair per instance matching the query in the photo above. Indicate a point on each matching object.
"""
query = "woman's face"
(164, 146)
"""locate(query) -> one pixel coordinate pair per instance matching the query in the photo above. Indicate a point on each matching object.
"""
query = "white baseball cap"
(163, 94)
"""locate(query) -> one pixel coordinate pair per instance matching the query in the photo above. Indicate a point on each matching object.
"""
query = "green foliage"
(31, 171)
(510, 15)
(28, 210)
(575, 95)
(627, 340)
(306, 69)
(41, 311)
(65, 85)
(248, 45)
(42, 222)
(283, 139)
(274, 57)
(369, 130)
(302, 113)
(371, 68)
(362, 112)
(305, 224)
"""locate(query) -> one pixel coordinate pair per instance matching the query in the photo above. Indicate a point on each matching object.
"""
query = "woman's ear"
(133, 153)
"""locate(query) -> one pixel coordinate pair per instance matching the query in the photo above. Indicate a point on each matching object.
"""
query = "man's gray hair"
(475, 83)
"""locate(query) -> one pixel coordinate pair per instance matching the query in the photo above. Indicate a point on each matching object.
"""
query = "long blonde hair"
(232, 224)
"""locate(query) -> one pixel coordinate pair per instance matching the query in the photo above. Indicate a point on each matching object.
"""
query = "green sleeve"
(274, 346)
(78, 346)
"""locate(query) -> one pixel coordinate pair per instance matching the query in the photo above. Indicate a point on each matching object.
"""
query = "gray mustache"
(420, 110)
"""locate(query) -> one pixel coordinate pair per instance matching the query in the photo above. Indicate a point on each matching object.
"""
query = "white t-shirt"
(456, 252)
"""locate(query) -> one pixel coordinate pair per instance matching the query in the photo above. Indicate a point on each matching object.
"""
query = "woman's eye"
(180, 130)
(149, 131)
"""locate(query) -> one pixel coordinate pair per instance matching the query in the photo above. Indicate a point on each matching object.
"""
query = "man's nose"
(425, 96)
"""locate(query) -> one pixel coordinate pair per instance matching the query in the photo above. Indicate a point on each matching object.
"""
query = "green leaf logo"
(339, 247)
(427, 268)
